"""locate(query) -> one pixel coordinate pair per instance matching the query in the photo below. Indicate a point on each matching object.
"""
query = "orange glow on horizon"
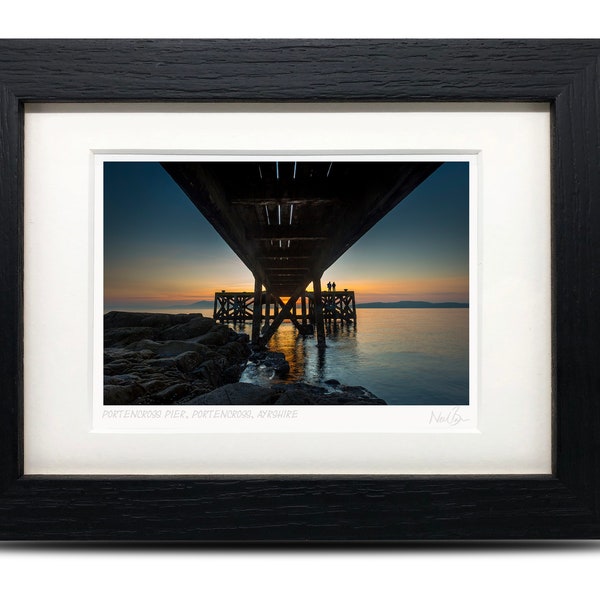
(182, 291)
(173, 292)
(390, 290)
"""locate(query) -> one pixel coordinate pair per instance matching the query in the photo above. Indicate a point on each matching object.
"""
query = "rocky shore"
(166, 359)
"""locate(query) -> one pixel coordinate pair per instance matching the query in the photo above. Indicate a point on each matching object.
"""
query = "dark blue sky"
(160, 250)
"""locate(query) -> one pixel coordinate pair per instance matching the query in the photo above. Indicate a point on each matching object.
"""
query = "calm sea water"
(404, 356)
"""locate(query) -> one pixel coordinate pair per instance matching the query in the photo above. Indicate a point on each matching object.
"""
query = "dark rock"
(170, 348)
(187, 361)
(194, 328)
(156, 320)
(257, 356)
(122, 394)
(127, 335)
(174, 348)
(162, 364)
(212, 371)
(155, 385)
(295, 396)
(299, 386)
(141, 355)
(236, 393)
(277, 362)
(150, 345)
(115, 319)
(357, 391)
(353, 395)
(282, 369)
(178, 319)
(117, 367)
(333, 382)
(234, 351)
(302, 393)
(232, 374)
(126, 379)
(198, 388)
(173, 392)
(217, 337)
(152, 358)
(143, 319)
(129, 356)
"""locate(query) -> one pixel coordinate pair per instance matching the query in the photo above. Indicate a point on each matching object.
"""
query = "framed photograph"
(299, 290)
(290, 222)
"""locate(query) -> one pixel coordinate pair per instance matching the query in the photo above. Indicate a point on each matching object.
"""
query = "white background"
(491, 572)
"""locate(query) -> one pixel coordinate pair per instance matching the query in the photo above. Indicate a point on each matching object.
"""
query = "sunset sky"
(160, 251)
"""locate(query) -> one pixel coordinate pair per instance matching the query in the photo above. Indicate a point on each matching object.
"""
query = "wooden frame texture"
(566, 504)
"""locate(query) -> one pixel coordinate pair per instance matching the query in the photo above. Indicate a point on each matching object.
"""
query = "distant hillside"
(200, 304)
(413, 304)
(203, 304)
(399, 304)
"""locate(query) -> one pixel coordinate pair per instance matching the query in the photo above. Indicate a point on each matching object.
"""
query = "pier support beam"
(257, 310)
(267, 308)
(318, 305)
(304, 309)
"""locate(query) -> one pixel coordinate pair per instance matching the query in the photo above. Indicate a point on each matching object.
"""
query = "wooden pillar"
(257, 310)
(318, 304)
(267, 308)
(303, 308)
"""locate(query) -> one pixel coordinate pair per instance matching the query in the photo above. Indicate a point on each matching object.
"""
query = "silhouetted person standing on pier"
(329, 286)
(333, 286)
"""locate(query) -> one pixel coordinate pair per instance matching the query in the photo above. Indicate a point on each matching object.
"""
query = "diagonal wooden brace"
(284, 313)
(292, 318)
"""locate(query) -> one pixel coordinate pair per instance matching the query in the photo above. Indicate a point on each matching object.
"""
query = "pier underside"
(290, 221)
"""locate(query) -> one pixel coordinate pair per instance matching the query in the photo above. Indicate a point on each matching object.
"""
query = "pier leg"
(318, 304)
(257, 310)
(304, 310)
(267, 308)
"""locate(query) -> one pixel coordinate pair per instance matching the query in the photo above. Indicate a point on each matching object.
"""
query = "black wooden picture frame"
(566, 504)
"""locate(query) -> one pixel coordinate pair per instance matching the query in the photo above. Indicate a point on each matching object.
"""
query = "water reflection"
(321, 354)
(308, 362)
(404, 356)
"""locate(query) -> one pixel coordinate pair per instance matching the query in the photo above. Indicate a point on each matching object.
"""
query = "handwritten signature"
(451, 418)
